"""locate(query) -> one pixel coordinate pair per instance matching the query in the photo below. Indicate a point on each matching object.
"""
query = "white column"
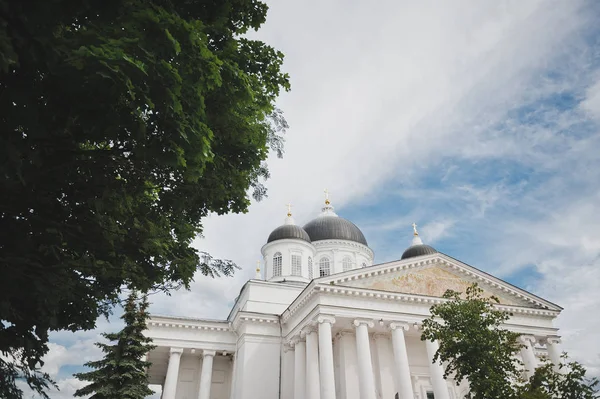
(170, 387)
(287, 370)
(233, 375)
(527, 354)
(206, 374)
(313, 380)
(326, 357)
(403, 382)
(299, 369)
(365, 366)
(554, 352)
(436, 371)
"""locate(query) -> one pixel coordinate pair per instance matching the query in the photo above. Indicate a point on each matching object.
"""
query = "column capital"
(552, 340)
(366, 322)
(288, 346)
(309, 328)
(323, 318)
(206, 352)
(527, 339)
(176, 350)
(399, 325)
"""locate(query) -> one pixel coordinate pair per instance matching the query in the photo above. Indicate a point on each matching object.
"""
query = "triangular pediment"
(432, 276)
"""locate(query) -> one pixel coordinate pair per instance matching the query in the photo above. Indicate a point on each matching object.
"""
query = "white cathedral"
(325, 322)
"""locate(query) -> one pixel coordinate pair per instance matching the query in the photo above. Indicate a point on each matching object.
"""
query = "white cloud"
(591, 104)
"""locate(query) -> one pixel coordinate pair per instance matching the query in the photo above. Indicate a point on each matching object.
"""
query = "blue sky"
(476, 120)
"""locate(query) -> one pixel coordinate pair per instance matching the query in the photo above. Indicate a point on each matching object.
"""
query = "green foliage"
(121, 374)
(570, 383)
(474, 346)
(124, 123)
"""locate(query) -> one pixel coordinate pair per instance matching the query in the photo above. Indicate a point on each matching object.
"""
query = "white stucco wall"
(258, 368)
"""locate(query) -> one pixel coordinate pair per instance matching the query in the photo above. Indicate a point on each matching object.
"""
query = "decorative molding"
(325, 319)
(308, 329)
(175, 351)
(401, 325)
(527, 339)
(346, 243)
(288, 346)
(259, 339)
(360, 322)
(397, 296)
(254, 318)
(181, 325)
(550, 340)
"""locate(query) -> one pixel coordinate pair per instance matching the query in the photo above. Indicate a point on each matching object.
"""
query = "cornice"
(253, 318)
(346, 243)
(396, 296)
(179, 324)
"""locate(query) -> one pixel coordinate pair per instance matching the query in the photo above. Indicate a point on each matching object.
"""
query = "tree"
(124, 123)
(121, 374)
(474, 347)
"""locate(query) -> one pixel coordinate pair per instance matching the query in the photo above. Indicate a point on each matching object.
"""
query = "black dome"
(334, 228)
(288, 231)
(418, 250)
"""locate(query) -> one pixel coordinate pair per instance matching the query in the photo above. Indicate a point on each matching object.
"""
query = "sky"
(477, 120)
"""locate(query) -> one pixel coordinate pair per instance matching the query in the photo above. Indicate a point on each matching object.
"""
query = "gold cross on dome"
(289, 206)
(414, 226)
(326, 196)
(257, 265)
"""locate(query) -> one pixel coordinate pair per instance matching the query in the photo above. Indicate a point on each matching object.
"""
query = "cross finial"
(257, 266)
(414, 226)
(289, 207)
(327, 202)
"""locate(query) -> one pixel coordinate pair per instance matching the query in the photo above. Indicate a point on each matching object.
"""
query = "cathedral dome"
(418, 250)
(417, 247)
(288, 231)
(334, 228)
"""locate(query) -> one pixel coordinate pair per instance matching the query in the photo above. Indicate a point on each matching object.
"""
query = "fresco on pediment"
(430, 281)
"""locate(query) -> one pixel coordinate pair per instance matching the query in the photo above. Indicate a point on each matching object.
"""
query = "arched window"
(296, 265)
(364, 264)
(277, 261)
(310, 268)
(347, 263)
(324, 269)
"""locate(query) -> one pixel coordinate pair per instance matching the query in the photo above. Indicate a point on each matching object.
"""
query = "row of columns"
(314, 367)
(528, 355)
(170, 386)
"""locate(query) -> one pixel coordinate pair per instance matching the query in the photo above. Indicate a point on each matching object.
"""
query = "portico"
(353, 334)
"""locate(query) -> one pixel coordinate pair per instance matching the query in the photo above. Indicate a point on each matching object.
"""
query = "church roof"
(334, 228)
(288, 231)
(418, 250)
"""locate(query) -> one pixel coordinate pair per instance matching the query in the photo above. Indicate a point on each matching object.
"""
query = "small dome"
(418, 250)
(288, 231)
(334, 228)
